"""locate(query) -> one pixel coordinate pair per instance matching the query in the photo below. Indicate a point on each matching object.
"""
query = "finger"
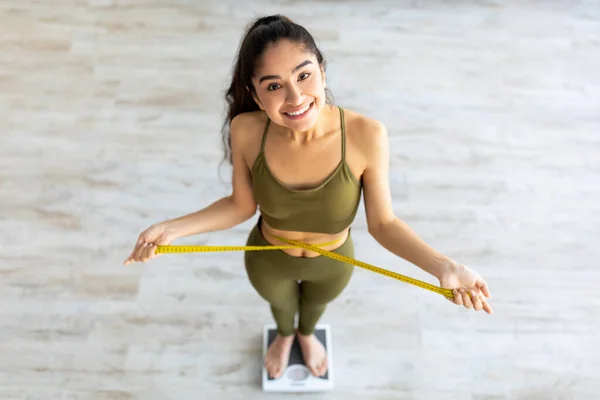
(476, 299)
(482, 285)
(128, 260)
(151, 251)
(144, 253)
(139, 251)
(130, 256)
(457, 297)
(133, 256)
(137, 254)
(147, 252)
(155, 252)
(487, 308)
(466, 299)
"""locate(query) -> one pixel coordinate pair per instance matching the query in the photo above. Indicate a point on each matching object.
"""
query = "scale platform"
(298, 378)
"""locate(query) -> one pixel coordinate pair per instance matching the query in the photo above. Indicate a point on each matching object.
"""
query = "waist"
(332, 241)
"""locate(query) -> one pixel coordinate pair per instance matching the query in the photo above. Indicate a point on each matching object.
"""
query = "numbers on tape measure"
(210, 249)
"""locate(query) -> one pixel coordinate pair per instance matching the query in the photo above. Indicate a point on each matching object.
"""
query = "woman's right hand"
(145, 248)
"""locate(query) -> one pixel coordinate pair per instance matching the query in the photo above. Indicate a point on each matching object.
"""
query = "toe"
(270, 370)
(322, 369)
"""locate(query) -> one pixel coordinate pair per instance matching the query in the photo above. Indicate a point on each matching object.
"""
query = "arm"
(228, 211)
(387, 229)
(222, 214)
(396, 236)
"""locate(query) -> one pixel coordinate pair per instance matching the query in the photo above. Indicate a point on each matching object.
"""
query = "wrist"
(170, 230)
(447, 267)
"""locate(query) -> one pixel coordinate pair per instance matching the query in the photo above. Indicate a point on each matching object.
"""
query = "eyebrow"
(296, 68)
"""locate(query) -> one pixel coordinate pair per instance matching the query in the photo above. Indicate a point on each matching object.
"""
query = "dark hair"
(262, 32)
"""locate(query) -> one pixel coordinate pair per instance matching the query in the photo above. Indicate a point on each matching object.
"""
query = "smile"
(300, 113)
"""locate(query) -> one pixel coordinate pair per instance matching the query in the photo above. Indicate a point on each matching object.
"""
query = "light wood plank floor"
(109, 121)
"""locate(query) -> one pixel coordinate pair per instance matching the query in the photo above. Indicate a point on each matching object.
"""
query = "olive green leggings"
(296, 284)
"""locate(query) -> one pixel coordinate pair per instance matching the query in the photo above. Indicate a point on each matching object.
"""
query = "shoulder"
(364, 129)
(244, 125)
(368, 135)
(246, 131)
(247, 128)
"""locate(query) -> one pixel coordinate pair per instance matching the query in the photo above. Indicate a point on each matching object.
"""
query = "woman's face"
(290, 86)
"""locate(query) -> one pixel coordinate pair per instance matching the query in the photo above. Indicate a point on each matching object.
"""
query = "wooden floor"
(109, 121)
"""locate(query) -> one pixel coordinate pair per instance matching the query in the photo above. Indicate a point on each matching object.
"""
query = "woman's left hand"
(468, 287)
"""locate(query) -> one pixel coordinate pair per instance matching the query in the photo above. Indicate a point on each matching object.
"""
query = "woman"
(305, 164)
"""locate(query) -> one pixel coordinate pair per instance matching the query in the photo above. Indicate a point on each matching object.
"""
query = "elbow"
(246, 209)
(249, 212)
(376, 227)
(374, 230)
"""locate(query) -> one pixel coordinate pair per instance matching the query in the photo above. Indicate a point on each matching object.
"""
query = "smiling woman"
(304, 163)
(305, 79)
(266, 76)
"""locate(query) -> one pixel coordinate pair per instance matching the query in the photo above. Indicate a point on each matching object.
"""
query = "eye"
(304, 76)
(273, 86)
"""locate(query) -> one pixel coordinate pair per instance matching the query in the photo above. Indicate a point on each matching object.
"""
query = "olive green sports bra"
(327, 208)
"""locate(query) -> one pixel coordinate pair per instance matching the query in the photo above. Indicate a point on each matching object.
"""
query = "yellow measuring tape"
(294, 245)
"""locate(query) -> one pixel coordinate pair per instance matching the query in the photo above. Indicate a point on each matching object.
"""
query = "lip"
(296, 117)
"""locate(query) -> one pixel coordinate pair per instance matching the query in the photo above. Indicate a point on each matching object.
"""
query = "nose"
(294, 95)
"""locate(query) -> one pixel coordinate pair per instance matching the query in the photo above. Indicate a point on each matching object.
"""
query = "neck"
(319, 129)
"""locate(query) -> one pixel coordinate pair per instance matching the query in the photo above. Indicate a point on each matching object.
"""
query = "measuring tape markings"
(315, 248)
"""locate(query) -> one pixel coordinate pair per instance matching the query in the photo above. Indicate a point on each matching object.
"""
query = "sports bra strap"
(262, 145)
(343, 133)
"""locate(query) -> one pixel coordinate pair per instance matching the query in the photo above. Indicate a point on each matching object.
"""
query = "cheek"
(317, 86)
(317, 90)
(274, 100)
(269, 99)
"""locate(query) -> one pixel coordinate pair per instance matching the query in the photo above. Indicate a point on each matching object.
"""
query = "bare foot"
(314, 354)
(278, 355)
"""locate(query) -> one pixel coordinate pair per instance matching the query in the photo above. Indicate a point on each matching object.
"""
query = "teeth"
(302, 111)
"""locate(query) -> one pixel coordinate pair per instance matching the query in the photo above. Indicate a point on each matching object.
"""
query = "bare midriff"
(313, 238)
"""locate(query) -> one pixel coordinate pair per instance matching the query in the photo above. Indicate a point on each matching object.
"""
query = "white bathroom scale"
(297, 377)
